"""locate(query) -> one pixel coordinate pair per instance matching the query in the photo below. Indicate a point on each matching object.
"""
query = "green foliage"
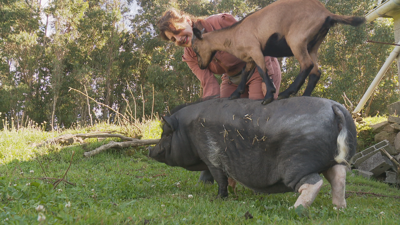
(151, 129)
(117, 59)
(127, 187)
(365, 136)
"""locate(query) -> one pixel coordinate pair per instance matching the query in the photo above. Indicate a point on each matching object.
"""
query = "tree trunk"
(53, 111)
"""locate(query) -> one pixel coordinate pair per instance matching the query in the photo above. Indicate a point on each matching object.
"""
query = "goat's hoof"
(267, 101)
(234, 96)
(282, 97)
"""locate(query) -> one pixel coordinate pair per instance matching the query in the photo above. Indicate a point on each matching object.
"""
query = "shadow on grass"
(125, 186)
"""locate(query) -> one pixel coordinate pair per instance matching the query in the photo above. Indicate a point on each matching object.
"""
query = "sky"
(133, 7)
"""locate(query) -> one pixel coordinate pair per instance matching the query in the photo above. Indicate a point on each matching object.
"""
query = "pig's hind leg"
(308, 187)
(336, 175)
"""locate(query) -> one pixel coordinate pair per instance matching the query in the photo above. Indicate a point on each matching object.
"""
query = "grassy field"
(127, 187)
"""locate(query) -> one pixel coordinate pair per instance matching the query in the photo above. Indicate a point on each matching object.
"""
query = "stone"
(397, 157)
(391, 150)
(395, 126)
(381, 144)
(378, 127)
(394, 119)
(396, 144)
(376, 164)
(391, 177)
(363, 173)
(394, 108)
(360, 157)
(384, 135)
(388, 128)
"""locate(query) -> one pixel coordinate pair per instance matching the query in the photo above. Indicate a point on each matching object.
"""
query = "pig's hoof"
(222, 196)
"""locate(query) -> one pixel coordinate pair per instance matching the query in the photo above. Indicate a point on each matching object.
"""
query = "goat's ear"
(197, 33)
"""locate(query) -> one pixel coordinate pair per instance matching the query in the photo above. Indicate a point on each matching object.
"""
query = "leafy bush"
(365, 136)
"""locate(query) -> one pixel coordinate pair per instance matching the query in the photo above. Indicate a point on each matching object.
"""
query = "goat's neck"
(219, 40)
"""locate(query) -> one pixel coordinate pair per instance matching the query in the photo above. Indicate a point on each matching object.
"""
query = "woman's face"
(184, 37)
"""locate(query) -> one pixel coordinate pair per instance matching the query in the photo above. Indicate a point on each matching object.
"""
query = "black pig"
(279, 147)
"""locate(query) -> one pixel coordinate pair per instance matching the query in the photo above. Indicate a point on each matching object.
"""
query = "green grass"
(126, 187)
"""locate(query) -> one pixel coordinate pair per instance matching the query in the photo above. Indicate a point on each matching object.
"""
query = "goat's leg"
(247, 72)
(306, 65)
(263, 71)
(314, 76)
(269, 96)
(308, 187)
(242, 85)
(312, 82)
(336, 176)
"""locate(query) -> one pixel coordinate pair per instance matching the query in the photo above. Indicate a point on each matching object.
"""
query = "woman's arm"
(227, 20)
(269, 65)
(208, 82)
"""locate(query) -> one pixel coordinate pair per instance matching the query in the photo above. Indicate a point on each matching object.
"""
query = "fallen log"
(125, 144)
(68, 139)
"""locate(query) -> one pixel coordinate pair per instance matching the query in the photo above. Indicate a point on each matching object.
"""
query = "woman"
(176, 26)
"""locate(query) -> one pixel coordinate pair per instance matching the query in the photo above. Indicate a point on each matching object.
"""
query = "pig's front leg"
(222, 181)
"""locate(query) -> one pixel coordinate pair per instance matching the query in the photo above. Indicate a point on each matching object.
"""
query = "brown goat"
(282, 29)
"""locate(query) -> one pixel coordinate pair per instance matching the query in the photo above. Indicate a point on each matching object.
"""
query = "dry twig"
(125, 144)
(370, 193)
(58, 180)
(62, 179)
(391, 158)
(71, 138)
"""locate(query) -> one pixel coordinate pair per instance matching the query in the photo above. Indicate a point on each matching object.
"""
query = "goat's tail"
(342, 139)
(349, 20)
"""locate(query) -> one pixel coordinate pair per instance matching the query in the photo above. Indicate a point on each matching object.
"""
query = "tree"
(119, 61)
(19, 53)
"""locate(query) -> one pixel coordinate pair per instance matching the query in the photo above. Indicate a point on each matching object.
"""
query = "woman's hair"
(172, 16)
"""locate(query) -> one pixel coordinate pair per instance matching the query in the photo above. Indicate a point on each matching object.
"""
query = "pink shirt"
(222, 62)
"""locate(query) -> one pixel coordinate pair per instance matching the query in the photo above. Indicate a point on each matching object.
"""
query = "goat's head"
(202, 48)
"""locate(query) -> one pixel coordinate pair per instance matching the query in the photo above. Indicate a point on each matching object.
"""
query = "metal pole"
(378, 78)
(382, 9)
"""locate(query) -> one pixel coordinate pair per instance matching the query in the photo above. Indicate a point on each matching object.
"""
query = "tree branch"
(71, 138)
(108, 107)
(62, 179)
(370, 193)
(126, 144)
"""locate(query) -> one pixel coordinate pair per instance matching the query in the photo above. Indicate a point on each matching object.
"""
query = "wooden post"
(396, 27)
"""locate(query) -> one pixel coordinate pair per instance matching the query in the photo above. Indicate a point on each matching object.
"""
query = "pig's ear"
(171, 121)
